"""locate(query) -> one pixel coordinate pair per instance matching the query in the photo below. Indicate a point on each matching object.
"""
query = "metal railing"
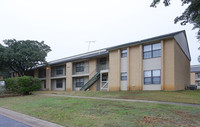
(104, 85)
(85, 71)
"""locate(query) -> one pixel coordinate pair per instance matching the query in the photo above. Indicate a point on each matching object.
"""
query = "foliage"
(5, 72)
(2, 90)
(21, 56)
(190, 15)
(23, 85)
(11, 85)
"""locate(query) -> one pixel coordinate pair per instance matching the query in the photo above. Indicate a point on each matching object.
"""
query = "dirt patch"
(150, 120)
(184, 114)
(9, 95)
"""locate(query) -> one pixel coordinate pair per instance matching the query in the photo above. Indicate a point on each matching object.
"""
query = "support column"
(69, 76)
(48, 78)
(114, 70)
(141, 66)
(92, 72)
(128, 69)
(162, 66)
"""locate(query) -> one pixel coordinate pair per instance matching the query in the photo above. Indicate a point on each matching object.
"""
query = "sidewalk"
(129, 100)
(25, 119)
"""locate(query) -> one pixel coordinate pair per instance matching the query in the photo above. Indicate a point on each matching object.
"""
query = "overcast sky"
(66, 25)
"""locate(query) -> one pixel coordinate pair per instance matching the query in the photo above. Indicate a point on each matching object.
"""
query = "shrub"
(2, 90)
(23, 85)
(11, 85)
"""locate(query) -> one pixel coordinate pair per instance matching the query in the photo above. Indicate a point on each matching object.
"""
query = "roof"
(157, 38)
(177, 35)
(87, 55)
(195, 68)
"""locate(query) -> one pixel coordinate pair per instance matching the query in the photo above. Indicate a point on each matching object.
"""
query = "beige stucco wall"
(175, 66)
(182, 69)
(114, 70)
(169, 65)
(136, 69)
(48, 80)
(192, 78)
(92, 72)
(69, 76)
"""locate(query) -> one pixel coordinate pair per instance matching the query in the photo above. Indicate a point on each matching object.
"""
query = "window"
(198, 83)
(152, 77)
(80, 67)
(79, 82)
(44, 83)
(124, 53)
(198, 75)
(147, 77)
(124, 76)
(152, 51)
(59, 83)
(105, 77)
(59, 70)
(42, 73)
(103, 61)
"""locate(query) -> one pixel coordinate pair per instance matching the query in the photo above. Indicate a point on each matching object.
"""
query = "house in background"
(158, 63)
(195, 75)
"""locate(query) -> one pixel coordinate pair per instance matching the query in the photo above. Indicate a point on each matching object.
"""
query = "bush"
(11, 85)
(23, 85)
(2, 90)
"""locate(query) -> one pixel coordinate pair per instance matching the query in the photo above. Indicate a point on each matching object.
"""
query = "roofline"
(105, 51)
(157, 38)
(187, 43)
(78, 55)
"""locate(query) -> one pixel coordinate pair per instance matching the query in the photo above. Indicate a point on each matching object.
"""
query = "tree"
(190, 15)
(21, 56)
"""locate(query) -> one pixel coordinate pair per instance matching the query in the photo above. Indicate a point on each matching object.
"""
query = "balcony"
(58, 72)
(80, 68)
(42, 73)
(102, 64)
(102, 67)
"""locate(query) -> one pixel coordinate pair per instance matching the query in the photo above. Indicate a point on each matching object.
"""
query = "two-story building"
(158, 63)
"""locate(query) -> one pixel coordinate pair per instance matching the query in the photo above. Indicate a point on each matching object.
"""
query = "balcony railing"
(102, 67)
(85, 70)
(58, 72)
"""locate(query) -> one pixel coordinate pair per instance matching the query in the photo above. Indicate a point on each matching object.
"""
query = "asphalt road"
(7, 122)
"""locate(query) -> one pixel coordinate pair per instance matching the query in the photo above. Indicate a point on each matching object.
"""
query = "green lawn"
(187, 96)
(90, 112)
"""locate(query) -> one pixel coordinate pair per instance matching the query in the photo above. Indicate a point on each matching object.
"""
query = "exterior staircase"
(90, 82)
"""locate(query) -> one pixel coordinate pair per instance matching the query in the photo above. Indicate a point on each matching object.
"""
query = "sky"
(67, 25)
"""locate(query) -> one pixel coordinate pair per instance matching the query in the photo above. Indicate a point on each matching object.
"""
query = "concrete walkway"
(8, 122)
(24, 120)
(129, 100)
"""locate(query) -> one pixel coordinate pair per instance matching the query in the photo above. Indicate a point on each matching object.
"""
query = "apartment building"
(195, 75)
(158, 63)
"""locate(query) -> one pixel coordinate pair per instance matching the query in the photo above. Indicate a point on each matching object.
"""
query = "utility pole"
(89, 42)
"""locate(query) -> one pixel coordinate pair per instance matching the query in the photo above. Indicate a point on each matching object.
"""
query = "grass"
(75, 112)
(187, 96)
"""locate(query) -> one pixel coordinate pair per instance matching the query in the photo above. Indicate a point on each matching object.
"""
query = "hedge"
(22, 85)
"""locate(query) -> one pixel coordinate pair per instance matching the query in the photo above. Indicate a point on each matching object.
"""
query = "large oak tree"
(21, 56)
(190, 15)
